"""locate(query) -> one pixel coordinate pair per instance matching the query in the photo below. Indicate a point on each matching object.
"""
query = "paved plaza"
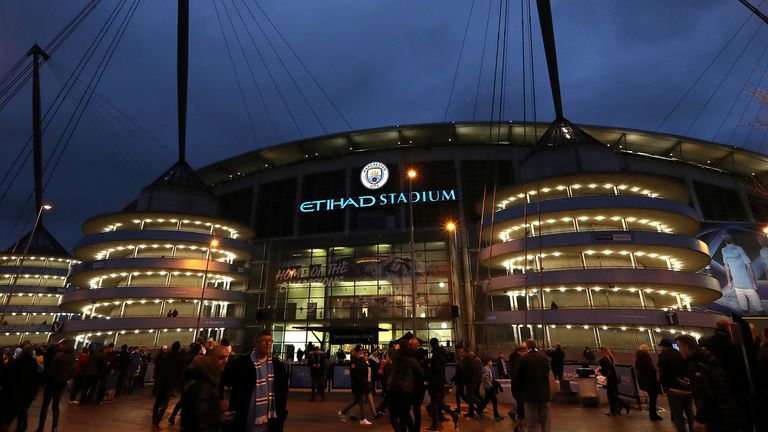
(133, 413)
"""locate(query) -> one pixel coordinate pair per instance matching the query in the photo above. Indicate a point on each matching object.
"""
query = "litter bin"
(587, 387)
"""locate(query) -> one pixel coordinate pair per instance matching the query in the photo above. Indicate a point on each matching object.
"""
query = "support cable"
(23, 77)
(458, 62)
(280, 59)
(709, 66)
(277, 87)
(98, 74)
(740, 93)
(722, 80)
(306, 69)
(249, 116)
(482, 59)
(64, 91)
(744, 112)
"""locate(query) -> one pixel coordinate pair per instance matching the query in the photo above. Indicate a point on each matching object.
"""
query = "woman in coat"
(647, 379)
(608, 370)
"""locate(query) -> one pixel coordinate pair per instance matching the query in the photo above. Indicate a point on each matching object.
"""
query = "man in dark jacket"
(673, 377)
(316, 363)
(558, 361)
(201, 402)
(59, 371)
(716, 408)
(436, 385)
(358, 373)
(18, 388)
(401, 386)
(169, 369)
(472, 371)
(733, 365)
(531, 382)
(647, 379)
(242, 375)
(518, 415)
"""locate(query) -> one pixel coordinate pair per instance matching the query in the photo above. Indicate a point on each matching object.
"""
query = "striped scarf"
(263, 396)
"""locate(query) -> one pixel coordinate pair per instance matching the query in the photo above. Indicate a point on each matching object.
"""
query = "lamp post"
(213, 245)
(452, 250)
(43, 207)
(411, 176)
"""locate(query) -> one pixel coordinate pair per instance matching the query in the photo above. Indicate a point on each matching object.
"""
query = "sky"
(297, 69)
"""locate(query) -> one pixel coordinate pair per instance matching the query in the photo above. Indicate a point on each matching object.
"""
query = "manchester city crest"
(374, 175)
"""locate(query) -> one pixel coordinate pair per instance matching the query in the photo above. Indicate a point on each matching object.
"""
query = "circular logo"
(374, 175)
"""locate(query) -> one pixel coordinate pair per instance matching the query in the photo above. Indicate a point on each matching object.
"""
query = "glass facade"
(322, 286)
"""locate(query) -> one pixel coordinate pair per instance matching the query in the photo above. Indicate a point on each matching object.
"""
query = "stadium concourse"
(133, 412)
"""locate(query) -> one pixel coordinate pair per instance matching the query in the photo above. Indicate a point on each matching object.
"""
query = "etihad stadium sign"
(385, 199)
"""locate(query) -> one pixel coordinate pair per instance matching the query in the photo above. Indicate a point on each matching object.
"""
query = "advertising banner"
(740, 262)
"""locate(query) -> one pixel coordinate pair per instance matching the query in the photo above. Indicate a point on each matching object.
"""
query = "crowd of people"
(717, 383)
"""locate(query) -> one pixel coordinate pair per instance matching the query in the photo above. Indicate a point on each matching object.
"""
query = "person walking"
(501, 365)
(673, 376)
(19, 385)
(201, 402)
(589, 355)
(401, 386)
(489, 386)
(59, 371)
(558, 361)
(733, 365)
(316, 362)
(134, 364)
(517, 413)
(375, 364)
(259, 382)
(358, 373)
(716, 407)
(608, 370)
(146, 358)
(458, 379)
(531, 382)
(435, 377)
(647, 379)
(473, 375)
(169, 369)
(79, 384)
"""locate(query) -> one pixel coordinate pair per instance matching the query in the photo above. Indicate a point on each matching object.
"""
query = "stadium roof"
(706, 154)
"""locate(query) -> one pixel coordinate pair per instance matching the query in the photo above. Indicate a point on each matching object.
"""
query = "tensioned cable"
(134, 162)
(760, 110)
(482, 59)
(79, 68)
(237, 76)
(458, 62)
(12, 71)
(130, 125)
(64, 91)
(709, 66)
(744, 112)
(280, 59)
(51, 48)
(740, 93)
(263, 100)
(98, 74)
(722, 80)
(306, 69)
(274, 83)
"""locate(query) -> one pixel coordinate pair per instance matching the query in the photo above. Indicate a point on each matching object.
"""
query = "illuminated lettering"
(382, 200)
(367, 201)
